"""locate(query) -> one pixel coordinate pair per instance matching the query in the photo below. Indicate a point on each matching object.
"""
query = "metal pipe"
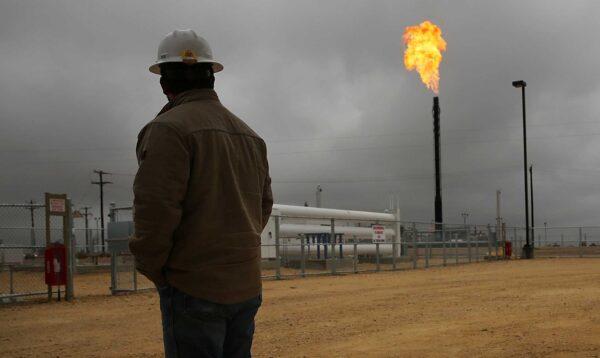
(320, 213)
(438, 179)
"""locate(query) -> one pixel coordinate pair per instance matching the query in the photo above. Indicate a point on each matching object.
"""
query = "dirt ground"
(539, 308)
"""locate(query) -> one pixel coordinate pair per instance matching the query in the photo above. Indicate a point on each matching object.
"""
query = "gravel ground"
(539, 308)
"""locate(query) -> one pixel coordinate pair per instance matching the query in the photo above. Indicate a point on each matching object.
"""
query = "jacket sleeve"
(267, 199)
(159, 190)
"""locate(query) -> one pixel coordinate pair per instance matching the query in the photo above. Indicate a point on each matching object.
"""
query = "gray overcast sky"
(324, 83)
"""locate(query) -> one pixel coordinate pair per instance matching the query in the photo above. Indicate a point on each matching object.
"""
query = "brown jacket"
(202, 199)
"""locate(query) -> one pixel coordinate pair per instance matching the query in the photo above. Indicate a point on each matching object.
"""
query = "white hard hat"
(184, 46)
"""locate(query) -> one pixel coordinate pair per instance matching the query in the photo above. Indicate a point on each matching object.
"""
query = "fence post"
(468, 243)
(277, 257)
(514, 245)
(377, 256)
(394, 251)
(427, 252)
(444, 245)
(456, 250)
(498, 243)
(398, 237)
(11, 278)
(476, 245)
(355, 260)
(332, 239)
(69, 241)
(302, 257)
(113, 272)
(580, 243)
(489, 240)
(415, 248)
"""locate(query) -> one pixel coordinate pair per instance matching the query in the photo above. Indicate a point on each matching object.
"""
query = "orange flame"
(424, 46)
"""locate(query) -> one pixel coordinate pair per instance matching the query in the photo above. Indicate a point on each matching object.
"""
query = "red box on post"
(507, 249)
(55, 259)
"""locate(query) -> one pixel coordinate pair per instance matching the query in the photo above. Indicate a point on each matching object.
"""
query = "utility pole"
(101, 184)
(87, 231)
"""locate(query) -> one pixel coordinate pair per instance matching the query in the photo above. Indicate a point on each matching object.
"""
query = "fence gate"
(124, 277)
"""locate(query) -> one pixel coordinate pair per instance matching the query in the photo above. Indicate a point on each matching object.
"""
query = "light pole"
(527, 249)
(532, 215)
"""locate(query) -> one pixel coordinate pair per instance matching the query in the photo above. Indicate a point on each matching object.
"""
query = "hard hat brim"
(155, 68)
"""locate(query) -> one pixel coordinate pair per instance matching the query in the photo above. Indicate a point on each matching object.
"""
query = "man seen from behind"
(202, 198)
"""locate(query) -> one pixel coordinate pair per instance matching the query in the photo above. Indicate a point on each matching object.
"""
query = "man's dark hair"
(177, 77)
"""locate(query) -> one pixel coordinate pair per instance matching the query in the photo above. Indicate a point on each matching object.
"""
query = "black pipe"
(438, 180)
(532, 215)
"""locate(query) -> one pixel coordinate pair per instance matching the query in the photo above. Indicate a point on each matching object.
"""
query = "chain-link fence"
(22, 244)
(23, 238)
(301, 246)
(551, 242)
(124, 276)
(297, 246)
(291, 246)
(567, 241)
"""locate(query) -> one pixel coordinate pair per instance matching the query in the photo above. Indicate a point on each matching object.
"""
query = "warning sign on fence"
(57, 206)
(378, 233)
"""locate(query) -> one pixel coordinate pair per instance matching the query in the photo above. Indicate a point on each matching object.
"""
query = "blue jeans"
(193, 327)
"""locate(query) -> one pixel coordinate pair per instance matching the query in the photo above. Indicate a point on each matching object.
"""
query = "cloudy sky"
(324, 83)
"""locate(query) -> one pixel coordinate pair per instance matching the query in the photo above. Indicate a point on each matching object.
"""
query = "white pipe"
(310, 212)
(292, 230)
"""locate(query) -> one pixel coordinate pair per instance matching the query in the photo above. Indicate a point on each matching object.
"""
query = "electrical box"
(55, 260)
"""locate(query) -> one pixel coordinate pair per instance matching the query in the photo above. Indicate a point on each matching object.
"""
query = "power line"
(328, 138)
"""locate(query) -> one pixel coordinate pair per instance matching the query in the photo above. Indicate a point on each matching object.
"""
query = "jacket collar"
(190, 96)
(194, 95)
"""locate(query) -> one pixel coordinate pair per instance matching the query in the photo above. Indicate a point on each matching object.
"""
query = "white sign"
(57, 205)
(378, 233)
